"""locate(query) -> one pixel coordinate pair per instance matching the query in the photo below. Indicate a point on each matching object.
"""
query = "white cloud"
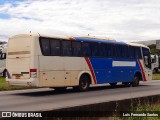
(4, 8)
(130, 20)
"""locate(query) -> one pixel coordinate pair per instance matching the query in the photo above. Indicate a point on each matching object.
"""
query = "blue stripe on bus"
(99, 40)
(106, 73)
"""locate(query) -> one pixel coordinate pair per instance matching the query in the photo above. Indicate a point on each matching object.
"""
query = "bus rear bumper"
(23, 82)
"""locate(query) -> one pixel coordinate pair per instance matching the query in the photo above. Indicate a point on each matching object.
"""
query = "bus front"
(21, 67)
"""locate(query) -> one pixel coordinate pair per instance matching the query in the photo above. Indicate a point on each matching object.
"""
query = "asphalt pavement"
(45, 99)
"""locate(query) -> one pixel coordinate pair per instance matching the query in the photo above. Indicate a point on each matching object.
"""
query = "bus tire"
(84, 83)
(4, 73)
(113, 84)
(136, 80)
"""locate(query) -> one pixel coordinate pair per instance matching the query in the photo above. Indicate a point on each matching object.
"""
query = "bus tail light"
(33, 73)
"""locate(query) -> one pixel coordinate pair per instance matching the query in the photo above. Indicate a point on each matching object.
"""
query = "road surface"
(45, 99)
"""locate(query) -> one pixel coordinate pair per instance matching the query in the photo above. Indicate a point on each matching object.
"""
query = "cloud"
(129, 20)
(3, 37)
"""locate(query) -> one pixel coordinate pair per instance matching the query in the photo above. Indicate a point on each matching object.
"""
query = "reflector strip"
(33, 73)
(142, 70)
(91, 69)
(33, 70)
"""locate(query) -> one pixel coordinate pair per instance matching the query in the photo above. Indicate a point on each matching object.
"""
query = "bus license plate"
(17, 76)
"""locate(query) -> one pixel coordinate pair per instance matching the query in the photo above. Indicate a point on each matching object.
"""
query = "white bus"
(3, 51)
(155, 63)
(60, 62)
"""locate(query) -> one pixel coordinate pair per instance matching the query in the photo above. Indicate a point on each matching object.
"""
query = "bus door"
(147, 63)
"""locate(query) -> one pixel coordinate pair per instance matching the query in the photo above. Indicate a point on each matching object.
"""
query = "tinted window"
(45, 47)
(55, 47)
(86, 49)
(66, 48)
(125, 53)
(147, 57)
(138, 52)
(76, 48)
(118, 51)
(3, 55)
(110, 50)
(95, 49)
(102, 50)
(131, 52)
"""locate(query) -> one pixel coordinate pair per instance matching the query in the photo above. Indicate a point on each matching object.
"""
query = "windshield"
(146, 57)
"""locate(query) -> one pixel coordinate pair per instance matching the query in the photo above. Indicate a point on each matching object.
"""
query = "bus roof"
(40, 35)
(85, 38)
(136, 44)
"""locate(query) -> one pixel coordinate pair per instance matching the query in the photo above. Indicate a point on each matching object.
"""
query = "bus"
(155, 63)
(60, 61)
(3, 51)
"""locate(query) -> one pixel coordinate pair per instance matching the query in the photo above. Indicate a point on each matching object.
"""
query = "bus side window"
(131, 52)
(45, 47)
(55, 48)
(110, 50)
(125, 53)
(95, 50)
(4, 55)
(118, 51)
(66, 48)
(138, 52)
(76, 48)
(102, 50)
(86, 49)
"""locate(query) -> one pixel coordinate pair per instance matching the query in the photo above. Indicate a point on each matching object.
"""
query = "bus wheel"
(83, 83)
(4, 73)
(59, 88)
(113, 84)
(135, 82)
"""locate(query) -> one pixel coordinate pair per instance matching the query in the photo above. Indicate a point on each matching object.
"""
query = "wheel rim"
(84, 84)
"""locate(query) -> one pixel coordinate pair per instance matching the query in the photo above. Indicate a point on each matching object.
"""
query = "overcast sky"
(123, 20)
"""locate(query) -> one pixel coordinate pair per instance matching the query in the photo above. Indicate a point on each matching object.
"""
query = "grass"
(5, 87)
(156, 76)
(141, 108)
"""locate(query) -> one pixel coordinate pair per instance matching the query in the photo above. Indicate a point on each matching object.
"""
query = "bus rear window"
(19, 46)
